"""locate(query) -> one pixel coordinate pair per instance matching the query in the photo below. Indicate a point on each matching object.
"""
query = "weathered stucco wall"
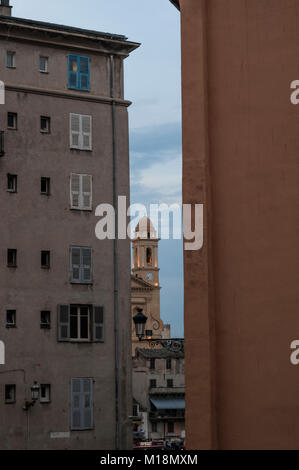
(30, 223)
(241, 160)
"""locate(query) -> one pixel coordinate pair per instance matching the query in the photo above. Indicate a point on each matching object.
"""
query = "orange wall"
(241, 147)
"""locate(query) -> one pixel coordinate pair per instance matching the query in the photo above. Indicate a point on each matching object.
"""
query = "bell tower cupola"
(145, 252)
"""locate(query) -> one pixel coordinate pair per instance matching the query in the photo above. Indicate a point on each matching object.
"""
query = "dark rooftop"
(162, 353)
(63, 28)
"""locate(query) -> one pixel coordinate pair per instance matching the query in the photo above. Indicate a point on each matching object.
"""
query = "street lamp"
(35, 389)
(175, 344)
(140, 320)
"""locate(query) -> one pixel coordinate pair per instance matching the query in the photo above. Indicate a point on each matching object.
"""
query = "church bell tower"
(145, 252)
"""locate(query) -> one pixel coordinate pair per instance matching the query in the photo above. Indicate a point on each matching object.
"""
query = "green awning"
(168, 403)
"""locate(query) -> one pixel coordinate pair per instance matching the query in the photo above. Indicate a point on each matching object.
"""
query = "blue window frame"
(78, 72)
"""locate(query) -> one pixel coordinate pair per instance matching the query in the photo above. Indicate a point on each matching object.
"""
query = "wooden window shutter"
(63, 322)
(76, 391)
(98, 324)
(75, 191)
(84, 73)
(86, 192)
(86, 132)
(75, 259)
(81, 404)
(75, 134)
(87, 404)
(86, 264)
(73, 71)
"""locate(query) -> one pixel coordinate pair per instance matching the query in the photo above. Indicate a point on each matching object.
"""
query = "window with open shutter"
(81, 192)
(78, 72)
(63, 322)
(80, 131)
(98, 323)
(81, 265)
(81, 404)
(80, 323)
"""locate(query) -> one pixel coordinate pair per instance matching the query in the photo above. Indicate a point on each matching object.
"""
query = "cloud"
(154, 139)
(162, 178)
(156, 164)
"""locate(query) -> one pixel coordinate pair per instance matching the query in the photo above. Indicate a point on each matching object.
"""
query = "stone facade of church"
(145, 283)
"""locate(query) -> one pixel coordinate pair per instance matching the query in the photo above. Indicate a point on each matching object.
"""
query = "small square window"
(169, 383)
(12, 121)
(10, 59)
(11, 258)
(45, 319)
(12, 183)
(45, 124)
(45, 259)
(10, 394)
(45, 186)
(153, 383)
(11, 319)
(43, 64)
(45, 393)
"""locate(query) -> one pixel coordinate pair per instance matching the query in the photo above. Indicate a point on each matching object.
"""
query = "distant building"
(240, 159)
(158, 373)
(64, 141)
(159, 391)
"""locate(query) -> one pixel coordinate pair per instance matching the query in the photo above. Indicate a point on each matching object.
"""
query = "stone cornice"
(67, 95)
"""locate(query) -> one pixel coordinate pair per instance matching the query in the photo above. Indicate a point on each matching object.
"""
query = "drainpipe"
(115, 255)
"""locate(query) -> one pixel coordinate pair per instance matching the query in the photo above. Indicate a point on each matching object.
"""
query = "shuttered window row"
(80, 132)
(81, 191)
(80, 323)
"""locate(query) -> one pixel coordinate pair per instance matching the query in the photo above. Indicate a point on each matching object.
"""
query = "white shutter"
(86, 192)
(75, 191)
(75, 121)
(81, 191)
(80, 132)
(86, 132)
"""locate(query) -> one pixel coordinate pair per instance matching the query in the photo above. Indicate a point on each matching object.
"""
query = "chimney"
(5, 8)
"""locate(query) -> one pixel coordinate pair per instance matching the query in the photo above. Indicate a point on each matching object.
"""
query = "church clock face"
(149, 276)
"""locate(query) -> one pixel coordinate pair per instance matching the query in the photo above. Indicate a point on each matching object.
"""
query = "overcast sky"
(152, 75)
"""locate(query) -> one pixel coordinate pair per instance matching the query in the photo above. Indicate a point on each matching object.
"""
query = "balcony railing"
(170, 415)
(166, 390)
(2, 152)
